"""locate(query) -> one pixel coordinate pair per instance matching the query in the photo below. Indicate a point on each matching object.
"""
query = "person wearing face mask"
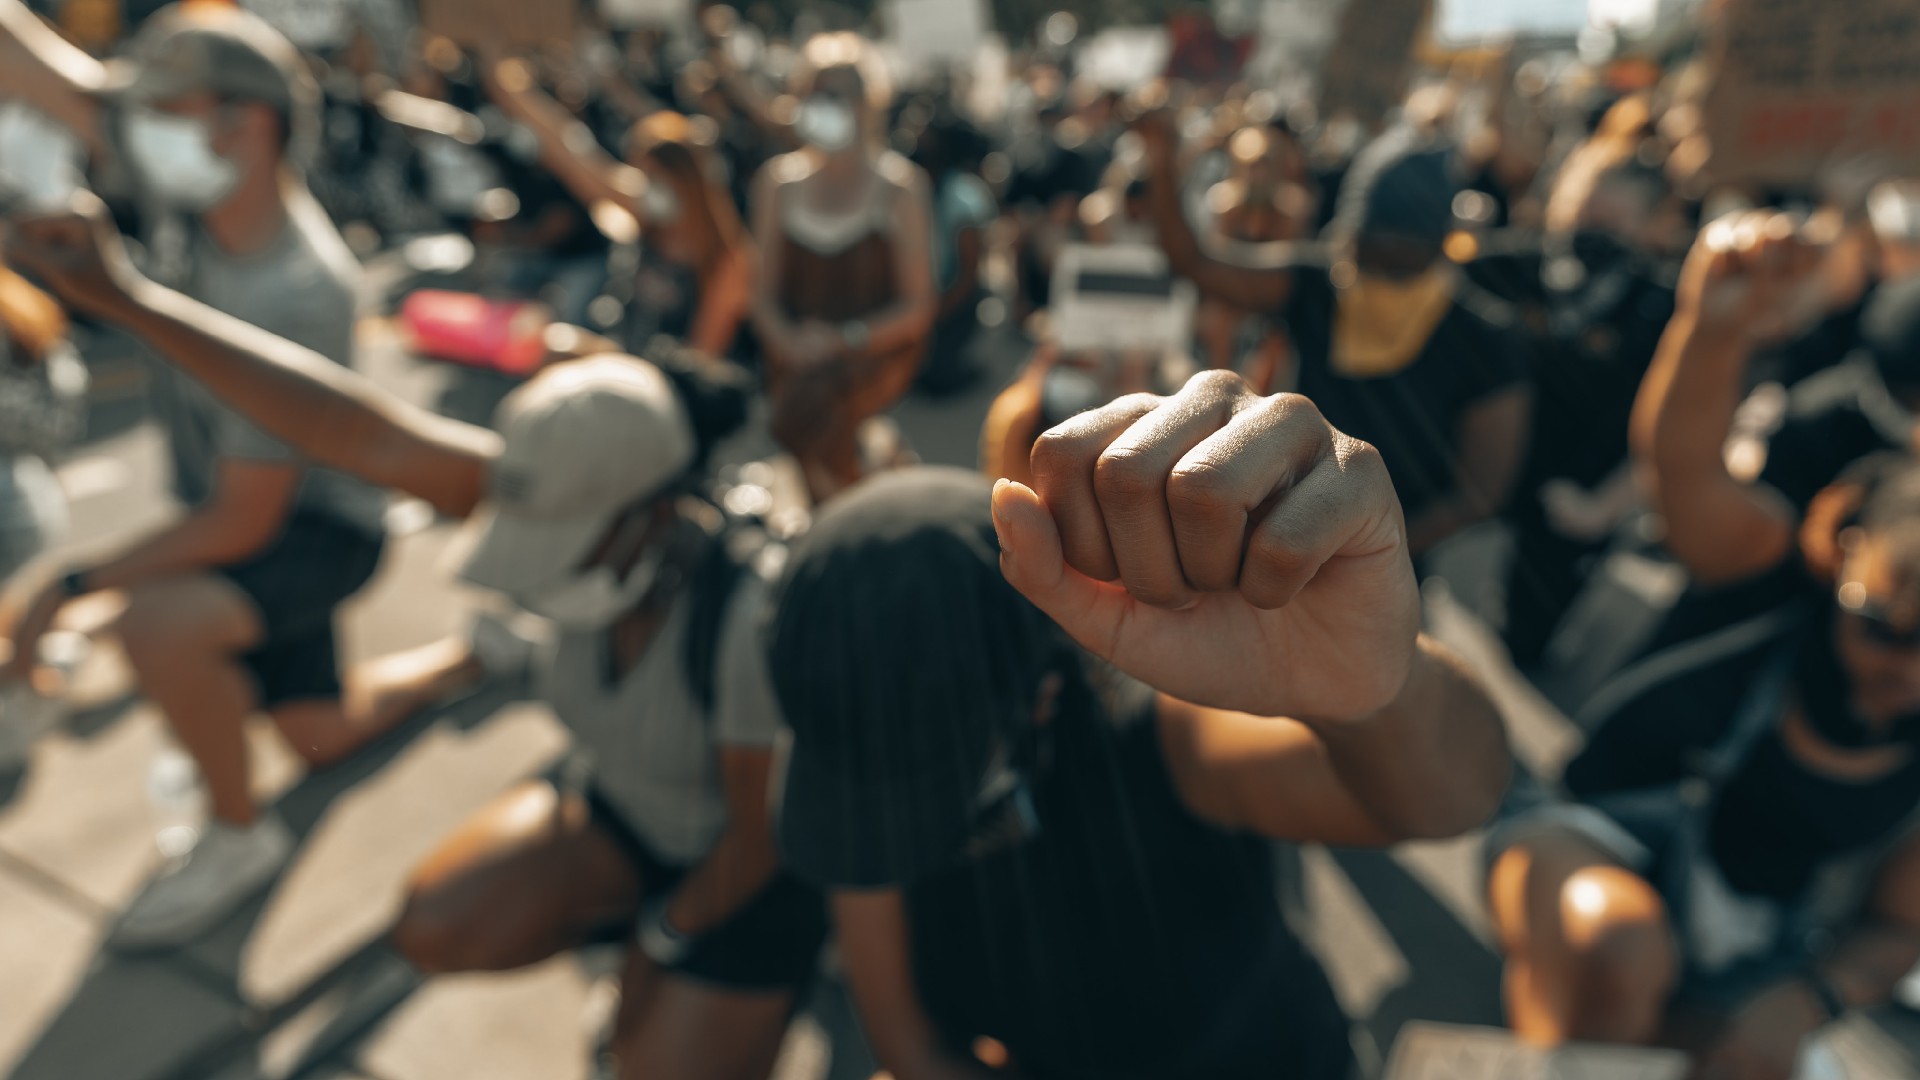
(230, 610)
(1046, 819)
(846, 297)
(695, 280)
(1593, 302)
(585, 508)
(1389, 339)
(1769, 886)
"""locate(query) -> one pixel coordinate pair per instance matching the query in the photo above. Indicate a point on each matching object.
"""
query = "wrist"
(659, 939)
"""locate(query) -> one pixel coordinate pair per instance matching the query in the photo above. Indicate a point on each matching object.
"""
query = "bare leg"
(1590, 951)
(380, 695)
(672, 1028)
(181, 636)
(527, 877)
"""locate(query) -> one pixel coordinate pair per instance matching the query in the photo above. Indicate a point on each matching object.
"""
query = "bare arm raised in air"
(1250, 562)
(1722, 529)
(46, 71)
(327, 413)
(1256, 278)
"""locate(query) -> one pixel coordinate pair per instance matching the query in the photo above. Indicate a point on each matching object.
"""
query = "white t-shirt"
(655, 752)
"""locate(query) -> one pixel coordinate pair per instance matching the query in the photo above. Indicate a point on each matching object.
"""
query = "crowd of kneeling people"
(1020, 744)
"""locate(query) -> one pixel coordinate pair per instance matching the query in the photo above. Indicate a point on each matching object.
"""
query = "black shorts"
(296, 585)
(771, 944)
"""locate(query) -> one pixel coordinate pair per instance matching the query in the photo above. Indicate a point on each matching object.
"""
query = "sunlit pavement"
(299, 984)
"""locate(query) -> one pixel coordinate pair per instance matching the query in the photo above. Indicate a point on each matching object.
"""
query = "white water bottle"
(177, 802)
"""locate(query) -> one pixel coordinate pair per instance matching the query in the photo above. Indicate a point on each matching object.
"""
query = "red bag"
(508, 336)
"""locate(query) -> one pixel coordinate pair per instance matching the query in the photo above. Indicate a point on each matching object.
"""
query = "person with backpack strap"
(585, 508)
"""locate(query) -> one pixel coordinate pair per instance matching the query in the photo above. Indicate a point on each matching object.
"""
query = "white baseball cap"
(585, 441)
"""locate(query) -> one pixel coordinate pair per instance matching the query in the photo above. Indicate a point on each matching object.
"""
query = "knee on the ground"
(1618, 937)
(441, 938)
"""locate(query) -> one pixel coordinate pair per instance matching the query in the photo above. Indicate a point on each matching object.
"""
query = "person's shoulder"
(785, 171)
(900, 173)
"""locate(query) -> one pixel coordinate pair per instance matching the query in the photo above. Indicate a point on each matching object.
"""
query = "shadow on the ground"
(178, 1014)
(1454, 977)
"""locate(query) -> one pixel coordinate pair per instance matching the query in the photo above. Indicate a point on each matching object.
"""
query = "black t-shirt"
(1832, 420)
(1129, 940)
(1772, 824)
(1412, 416)
(1594, 325)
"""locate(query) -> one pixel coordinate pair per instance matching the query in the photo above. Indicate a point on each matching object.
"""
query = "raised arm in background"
(1722, 529)
(326, 412)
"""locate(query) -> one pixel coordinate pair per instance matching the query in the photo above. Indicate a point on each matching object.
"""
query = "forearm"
(733, 873)
(568, 148)
(49, 73)
(325, 412)
(1433, 764)
(1176, 234)
(1686, 408)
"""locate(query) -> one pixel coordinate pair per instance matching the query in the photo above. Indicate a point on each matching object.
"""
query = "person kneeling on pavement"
(586, 509)
(1776, 889)
(1045, 819)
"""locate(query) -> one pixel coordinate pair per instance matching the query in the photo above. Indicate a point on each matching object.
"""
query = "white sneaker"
(503, 649)
(190, 897)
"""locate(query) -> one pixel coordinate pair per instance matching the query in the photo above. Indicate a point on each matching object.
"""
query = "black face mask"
(1826, 695)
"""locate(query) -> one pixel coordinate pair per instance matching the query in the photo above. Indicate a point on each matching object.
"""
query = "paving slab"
(133, 1019)
(44, 947)
(346, 885)
(530, 1023)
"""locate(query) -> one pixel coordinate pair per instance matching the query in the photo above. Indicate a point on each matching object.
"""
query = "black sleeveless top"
(1129, 939)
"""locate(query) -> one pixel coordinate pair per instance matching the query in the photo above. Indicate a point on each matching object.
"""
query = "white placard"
(1121, 297)
(1126, 58)
(1445, 1052)
(314, 25)
(939, 31)
(634, 14)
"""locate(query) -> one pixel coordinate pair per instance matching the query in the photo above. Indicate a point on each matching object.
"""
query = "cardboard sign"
(1365, 73)
(1804, 84)
(937, 32)
(1123, 298)
(1444, 1052)
(509, 24)
(635, 14)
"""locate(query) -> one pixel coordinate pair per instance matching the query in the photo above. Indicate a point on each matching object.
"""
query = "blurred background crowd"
(1625, 294)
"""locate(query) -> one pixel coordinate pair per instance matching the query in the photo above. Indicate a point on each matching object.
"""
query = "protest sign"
(636, 14)
(1805, 84)
(509, 24)
(1366, 71)
(1121, 297)
(1444, 1052)
(939, 32)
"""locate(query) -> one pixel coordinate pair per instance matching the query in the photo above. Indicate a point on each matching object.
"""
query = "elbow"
(1466, 798)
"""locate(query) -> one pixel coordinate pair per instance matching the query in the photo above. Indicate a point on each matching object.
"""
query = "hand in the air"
(1231, 550)
(1744, 272)
(78, 255)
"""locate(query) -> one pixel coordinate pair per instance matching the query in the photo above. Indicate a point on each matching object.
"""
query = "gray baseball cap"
(223, 50)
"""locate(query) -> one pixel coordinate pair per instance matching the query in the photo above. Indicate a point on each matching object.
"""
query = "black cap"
(1401, 186)
(903, 660)
(1890, 332)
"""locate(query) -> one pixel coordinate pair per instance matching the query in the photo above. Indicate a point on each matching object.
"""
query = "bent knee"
(441, 936)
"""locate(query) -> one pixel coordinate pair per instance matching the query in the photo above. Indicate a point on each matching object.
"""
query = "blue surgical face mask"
(174, 158)
(827, 123)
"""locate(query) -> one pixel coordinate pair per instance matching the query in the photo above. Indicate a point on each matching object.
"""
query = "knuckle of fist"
(1126, 476)
(1199, 490)
(1219, 383)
